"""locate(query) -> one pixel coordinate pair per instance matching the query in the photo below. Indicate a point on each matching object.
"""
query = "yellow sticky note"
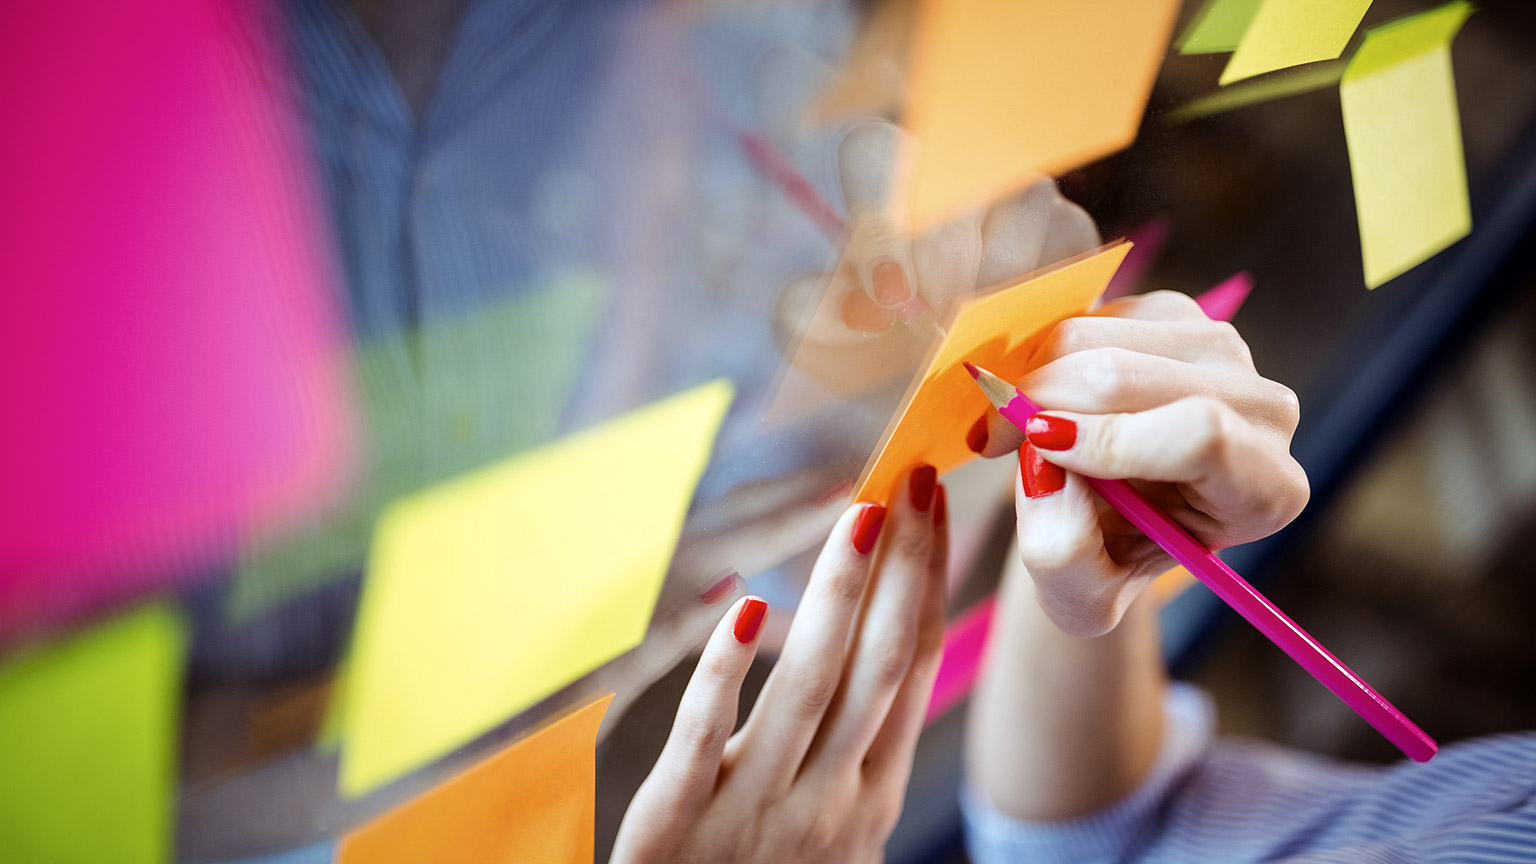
(1218, 26)
(1291, 32)
(534, 801)
(1400, 118)
(998, 332)
(488, 592)
(1003, 91)
(88, 738)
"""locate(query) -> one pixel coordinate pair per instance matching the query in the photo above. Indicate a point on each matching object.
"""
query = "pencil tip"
(971, 368)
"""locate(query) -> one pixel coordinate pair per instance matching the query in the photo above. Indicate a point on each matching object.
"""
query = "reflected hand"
(853, 339)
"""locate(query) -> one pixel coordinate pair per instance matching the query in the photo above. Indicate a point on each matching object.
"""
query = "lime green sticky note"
(490, 591)
(88, 736)
(1404, 134)
(1291, 32)
(1292, 82)
(457, 393)
(1218, 26)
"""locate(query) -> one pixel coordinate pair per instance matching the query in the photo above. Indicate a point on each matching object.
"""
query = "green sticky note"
(1218, 26)
(1290, 83)
(1400, 119)
(490, 591)
(1287, 33)
(88, 737)
(455, 394)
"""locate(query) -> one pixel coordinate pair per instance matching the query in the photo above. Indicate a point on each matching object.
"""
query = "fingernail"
(866, 528)
(861, 313)
(940, 506)
(720, 590)
(1051, 433)
(890, 284)
(976, 439)
(1040, 477)
(923, 479)
(749, 620)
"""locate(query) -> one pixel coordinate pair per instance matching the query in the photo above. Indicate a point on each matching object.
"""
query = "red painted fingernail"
(861, 313)
(890, 284)
(923, 479)
(1040, 477)
(866, 528)
(976, 439)
(940, 506)
(749, 620)
(720, 590)
(1051, 433)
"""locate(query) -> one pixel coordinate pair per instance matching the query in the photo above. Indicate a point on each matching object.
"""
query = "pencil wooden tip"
(998, 391)
(971, 368)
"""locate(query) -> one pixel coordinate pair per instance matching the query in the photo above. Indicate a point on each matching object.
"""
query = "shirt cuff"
(993, 837)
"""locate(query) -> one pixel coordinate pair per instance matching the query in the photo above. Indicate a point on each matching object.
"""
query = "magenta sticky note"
(1147, 241)
(964, 642)
(1222, 302)
(172, 367)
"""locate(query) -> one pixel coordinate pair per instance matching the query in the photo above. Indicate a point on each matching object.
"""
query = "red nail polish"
(1040, 477)
(866, 528)
(940, 506)
(923, 479)
(976, 439)
(890, 284)
(749, 620)
(861, 313)
(720, 590)
(1051, 433)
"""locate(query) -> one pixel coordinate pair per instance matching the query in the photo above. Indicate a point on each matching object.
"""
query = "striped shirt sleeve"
(1247, 801)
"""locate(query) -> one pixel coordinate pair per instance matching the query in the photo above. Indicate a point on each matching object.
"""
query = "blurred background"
(369, 246)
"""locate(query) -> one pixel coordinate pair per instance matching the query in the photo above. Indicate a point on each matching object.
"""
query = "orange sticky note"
(999, 332)
(533, 801)
(1005, 90)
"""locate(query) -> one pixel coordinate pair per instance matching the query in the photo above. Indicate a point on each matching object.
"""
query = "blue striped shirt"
(1233, 801)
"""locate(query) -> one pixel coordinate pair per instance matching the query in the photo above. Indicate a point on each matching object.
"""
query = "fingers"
(886, 639)
(1117, 380)
(806, 677)
(889, 759)
(1233, 474)
(1061, 543)
(686, 772)
(1215, 344)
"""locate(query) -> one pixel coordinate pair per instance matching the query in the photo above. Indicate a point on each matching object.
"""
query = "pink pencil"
(1232, 589)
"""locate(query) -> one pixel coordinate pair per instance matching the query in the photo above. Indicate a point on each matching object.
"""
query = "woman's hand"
(1148, 389)
(820, 768)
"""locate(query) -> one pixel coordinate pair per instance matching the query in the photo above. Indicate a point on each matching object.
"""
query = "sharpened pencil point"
(971, 368)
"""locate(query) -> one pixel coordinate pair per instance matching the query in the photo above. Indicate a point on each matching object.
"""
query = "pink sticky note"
(1147, 241)
(964, 643)
(1222, 302)
(966, 638)
(171, 360)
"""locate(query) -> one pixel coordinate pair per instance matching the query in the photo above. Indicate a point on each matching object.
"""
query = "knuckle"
(1173, 304)
(1107, 373)
(1211, 427)
(717, 668)
(846, 585)
(700, 732)
(890, 657)
(1230, 343)
(1287, 406)
(813, 691)
(1074, 335)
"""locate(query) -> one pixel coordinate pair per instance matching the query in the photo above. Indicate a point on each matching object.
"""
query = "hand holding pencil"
(1189, 413)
